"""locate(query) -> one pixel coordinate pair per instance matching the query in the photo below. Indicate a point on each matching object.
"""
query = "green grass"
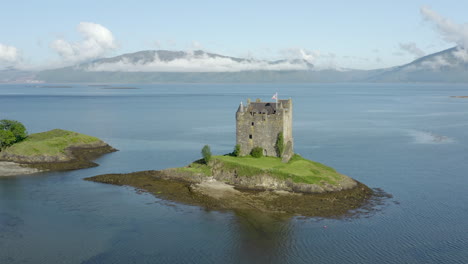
(298, 169)
(50, 143)
(196, 168)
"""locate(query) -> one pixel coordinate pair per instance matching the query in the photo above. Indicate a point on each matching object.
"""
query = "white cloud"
(411, 48)
(97, 41)
(461, 53)
(436, 63)
(197, 63)
(450, 31)
(300, 54)
(9, 55)
(320, 60)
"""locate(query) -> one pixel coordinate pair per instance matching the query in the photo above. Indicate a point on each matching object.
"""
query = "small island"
(262, 173)
(56, 149)
(265, 184)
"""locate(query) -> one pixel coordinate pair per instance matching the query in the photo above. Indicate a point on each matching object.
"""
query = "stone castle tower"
(258, 124)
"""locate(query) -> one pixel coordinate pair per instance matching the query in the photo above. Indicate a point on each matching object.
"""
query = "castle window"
(252, 123)
(250, 136)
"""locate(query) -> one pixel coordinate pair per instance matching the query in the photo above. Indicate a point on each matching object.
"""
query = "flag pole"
(275, 96)
(276, 101)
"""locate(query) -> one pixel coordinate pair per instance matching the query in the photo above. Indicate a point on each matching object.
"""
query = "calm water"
(410, 140)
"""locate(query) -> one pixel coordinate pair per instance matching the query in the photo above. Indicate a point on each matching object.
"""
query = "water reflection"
(260, 237)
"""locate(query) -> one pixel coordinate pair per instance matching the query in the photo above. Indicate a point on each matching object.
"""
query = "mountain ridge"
(165, 66)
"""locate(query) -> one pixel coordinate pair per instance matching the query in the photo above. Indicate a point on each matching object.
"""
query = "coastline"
(213, 194)
(8, 168)
(76, 157)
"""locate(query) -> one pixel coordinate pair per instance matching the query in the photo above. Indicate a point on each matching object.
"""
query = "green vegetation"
(280, 144)
(257, 152)
(237, 150)
(6, 138)
(298, 169)
(206, 153)
(196, 168)
(11, 132)
(49, 143)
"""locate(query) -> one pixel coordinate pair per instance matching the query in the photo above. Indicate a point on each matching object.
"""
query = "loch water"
(411, 140)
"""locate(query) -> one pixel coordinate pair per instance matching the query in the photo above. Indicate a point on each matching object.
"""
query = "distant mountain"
(450, 65)
(11, 75)
(178, 66)
(162, 66)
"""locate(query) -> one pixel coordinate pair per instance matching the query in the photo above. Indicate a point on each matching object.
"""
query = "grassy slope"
(50, 143)
(197, 168)
(298, 169)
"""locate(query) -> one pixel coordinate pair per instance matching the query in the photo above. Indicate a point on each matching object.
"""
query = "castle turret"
(259, 124)
(241, 108)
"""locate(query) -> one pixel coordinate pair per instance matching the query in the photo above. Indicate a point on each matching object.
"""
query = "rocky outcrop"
(74, 157)
(256, 182)
(71, 153)
(260, 181)
(8, 168)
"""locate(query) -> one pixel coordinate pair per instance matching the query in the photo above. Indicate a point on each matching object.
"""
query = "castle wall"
(287, 124)
(258, 125)
(263, 133)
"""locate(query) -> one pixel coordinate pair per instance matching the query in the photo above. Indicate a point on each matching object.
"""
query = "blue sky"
(348, 34)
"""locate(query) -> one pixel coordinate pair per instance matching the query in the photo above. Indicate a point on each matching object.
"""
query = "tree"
(18, 129)
(11, 131)
(257, 152)
(206, 153)
(280, 144)
(237, 150)
(7, 138)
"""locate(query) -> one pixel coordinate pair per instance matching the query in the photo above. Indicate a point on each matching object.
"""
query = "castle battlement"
(258, 124)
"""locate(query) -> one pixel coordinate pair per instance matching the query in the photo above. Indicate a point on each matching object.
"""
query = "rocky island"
(262, 174)
(299, 187)
(56, 149)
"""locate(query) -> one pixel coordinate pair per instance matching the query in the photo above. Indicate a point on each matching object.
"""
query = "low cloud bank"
(199, 63)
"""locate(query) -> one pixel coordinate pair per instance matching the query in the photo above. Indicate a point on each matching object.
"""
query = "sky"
(329, 34)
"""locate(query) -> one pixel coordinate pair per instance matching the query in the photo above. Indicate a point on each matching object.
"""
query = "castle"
(259, 124)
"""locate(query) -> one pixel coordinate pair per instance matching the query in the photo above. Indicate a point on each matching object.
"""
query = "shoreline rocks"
(8, 168)
(214, 194)
(74, 157)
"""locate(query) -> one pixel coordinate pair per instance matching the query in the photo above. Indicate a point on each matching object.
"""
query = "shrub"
(280, 144)
(257, 152)
(7, 138)
(11, 131)
(237, 150)
(206, 153)
(18, 129)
